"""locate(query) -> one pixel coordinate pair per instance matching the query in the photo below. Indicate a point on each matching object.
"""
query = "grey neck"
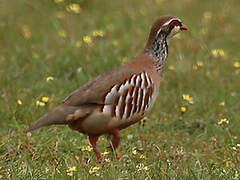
(159, 51)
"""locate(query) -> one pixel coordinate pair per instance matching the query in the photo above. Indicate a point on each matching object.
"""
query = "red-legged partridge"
(117, 99)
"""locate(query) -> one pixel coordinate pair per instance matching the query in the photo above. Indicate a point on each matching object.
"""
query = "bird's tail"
(56, 116)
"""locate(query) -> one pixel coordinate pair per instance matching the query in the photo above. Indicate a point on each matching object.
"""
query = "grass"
(39, 39)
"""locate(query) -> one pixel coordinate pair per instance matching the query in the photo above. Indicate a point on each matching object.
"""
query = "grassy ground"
(44, 39)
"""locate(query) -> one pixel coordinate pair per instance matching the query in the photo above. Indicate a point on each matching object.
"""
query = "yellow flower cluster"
(98, 33)
(135, 153)
(94, 169)
(236, 148)
(124, 60)
(26, 32)
(70, 170)
(219, 53)
(236, 64)
(141, 167)
(87, 40)
(86, 148)
(223, 121)
(75, 8)
(49, 78)
(183, 109)
(19, 102)
(58, 1)
(222, 103)
(188, 98)
(200, 64)
(62, 33)
(44, 100)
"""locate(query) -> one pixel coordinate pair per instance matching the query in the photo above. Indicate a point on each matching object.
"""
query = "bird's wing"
(93, 92)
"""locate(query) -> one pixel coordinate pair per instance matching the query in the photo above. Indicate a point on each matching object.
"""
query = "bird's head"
(167, 25)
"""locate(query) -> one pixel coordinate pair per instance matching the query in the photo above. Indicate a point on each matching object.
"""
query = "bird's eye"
(175, 23)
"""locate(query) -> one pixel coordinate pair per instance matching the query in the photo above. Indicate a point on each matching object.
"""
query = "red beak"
(183, 27)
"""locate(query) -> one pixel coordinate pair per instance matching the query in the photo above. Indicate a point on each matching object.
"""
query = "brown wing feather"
(93, 91)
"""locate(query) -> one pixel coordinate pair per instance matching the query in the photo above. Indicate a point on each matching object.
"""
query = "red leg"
(116, 140)
(93, 140)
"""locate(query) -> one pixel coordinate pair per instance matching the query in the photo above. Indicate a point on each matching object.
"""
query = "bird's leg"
(116, 140)
(93, 140)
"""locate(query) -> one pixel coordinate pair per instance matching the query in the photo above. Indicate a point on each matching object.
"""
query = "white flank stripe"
(106, 109)
(118, 106)
(133, 95)
(143, 80)
(111, 95)
(144, 94)
(137, 80)
(132, 80)
(126, 107)
(123, 87)
(148, 80)
(138, 100)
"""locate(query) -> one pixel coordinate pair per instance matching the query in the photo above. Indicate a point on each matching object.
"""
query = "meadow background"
(48, 48)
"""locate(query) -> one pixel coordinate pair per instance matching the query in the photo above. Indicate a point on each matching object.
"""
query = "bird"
(116, 99)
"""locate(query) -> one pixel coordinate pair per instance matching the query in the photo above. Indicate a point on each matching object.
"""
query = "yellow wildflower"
(105, 153)
(223, 121)
(74, 8)
(45, 99)
(183, 109)
(35, 55)
(70, 173)
(227, 164)
(238, 145)
(200, 64)
(236, 64)
(70, 170)
(86, 148)
(62, 33)
(141, 166)
(107, 160)
(234, 148)
(188, 98)
(39, 103)
(94, 169)
(124, 60)
(58, 1)
(87, 40)
(142, 156)
(134, 152)
(98, 33)
(49, 78)
(222, 103)
(19, 102)
(146, 168)
(26, 32)
(171, 67)
(219, 53)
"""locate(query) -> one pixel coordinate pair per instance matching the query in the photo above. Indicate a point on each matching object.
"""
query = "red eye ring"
(175, 23)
